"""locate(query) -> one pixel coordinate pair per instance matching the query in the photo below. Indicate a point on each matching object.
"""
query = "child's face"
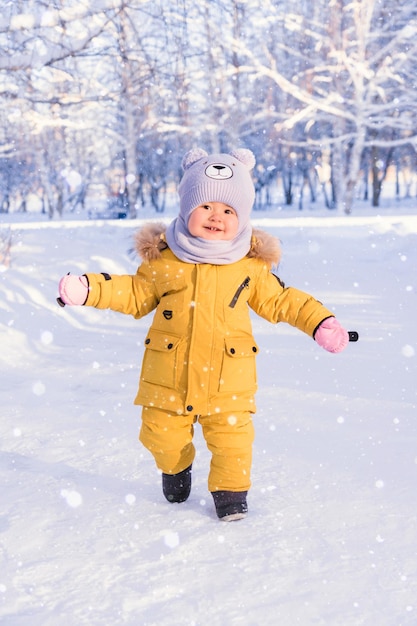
(214, 221)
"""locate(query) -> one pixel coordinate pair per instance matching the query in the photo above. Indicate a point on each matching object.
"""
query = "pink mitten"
(331, 336)
(73, 290)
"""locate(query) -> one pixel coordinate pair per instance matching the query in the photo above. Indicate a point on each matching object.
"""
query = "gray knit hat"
(217, 178)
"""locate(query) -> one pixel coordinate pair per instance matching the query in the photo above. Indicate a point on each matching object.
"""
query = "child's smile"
(214, 221)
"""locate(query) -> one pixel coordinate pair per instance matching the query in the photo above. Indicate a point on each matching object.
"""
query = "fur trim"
(265, 247)
(149, 242)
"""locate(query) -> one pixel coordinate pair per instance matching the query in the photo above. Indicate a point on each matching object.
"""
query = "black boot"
(230, 505)
(177, 487)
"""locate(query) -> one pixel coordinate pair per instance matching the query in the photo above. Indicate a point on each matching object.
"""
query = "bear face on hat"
(217, 178)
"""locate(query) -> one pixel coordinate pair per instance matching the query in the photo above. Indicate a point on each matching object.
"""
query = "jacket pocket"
(160, 361)
(238, 371)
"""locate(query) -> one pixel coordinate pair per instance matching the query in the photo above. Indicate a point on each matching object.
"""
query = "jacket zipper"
(244, 285)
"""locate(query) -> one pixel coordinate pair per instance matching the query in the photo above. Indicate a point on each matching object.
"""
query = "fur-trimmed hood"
(150, 240)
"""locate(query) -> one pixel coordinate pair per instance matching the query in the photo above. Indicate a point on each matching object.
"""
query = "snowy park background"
(330, 539)
(99, 100)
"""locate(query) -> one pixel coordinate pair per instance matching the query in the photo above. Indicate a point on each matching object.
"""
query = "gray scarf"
(197, 250)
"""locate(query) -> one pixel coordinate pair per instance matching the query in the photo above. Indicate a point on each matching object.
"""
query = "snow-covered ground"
(331, 538)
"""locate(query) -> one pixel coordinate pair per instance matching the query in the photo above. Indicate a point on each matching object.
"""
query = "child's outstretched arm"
(130, 294)
(277, 303)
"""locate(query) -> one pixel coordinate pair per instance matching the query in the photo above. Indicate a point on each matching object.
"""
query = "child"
(201, 275)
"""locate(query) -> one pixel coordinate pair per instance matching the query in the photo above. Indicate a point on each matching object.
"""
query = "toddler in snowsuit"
(201, 275)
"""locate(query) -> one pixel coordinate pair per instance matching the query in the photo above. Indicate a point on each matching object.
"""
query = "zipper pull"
(244, 285)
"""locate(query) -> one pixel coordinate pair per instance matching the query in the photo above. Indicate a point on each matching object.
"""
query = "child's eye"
(206, 206)
(229, 211)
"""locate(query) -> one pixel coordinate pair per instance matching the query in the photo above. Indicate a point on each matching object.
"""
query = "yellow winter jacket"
(199, 351)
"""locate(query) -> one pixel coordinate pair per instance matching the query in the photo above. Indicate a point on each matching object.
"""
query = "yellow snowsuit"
(199, 360)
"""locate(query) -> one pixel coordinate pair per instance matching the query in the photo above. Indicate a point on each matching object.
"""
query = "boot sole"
(233, 517)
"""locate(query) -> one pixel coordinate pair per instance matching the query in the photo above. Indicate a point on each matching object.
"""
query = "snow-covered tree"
(112, 92)
(348, 68)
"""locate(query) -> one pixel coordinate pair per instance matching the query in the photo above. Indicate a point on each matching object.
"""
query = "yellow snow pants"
(229, 437)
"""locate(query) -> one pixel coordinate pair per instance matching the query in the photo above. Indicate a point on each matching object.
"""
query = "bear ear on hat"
(245, 156)
(192, 156)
